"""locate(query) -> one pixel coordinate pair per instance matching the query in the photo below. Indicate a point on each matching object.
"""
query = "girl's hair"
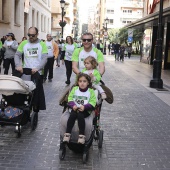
(87, 77)
(93, 61)
(70, 39)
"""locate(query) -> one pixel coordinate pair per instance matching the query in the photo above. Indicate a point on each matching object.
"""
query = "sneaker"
(103, 95)
(50, 80)
(66, 137)
(67, 82)
(81, 139)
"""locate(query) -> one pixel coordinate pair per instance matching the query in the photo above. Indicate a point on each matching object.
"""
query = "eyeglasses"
(88, 40)
(31, 35)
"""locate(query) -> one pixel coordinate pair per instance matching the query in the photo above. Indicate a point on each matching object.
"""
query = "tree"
(113, 35)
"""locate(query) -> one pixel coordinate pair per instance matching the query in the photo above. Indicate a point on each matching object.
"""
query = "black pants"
(81, 122)
(129, 55)
(7, 63)
(49, 68)
(68, 65)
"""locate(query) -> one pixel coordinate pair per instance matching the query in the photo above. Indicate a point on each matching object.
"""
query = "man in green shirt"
(80, 54)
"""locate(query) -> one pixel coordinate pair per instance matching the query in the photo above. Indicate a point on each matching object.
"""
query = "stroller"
(93, 131)
(16, 102)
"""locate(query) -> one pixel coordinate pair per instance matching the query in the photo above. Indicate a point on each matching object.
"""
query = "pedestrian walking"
(59, 54)
(116, 51)
(82, 101)
(69, 48)
(9, 47)
(122, 52)
(2, 51)
(53, 52)
(35, 57)
(109, 47)
(82, 53)
(129, 50)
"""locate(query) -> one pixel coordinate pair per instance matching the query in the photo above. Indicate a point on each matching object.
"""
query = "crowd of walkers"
(120, 51)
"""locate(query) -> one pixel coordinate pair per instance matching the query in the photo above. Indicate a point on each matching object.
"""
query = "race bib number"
(32, 52)
(80, 102)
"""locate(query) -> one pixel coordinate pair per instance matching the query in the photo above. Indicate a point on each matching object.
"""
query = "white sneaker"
(66, 137)
(81, 139)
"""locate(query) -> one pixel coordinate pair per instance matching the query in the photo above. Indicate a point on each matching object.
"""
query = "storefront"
(149, 26)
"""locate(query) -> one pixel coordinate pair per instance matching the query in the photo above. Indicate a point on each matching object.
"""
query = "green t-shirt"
(80, 55)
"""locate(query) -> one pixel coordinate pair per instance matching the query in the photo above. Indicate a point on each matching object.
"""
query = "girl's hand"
(62, 62)
(92, 77)
(81, 108)
(75, 107)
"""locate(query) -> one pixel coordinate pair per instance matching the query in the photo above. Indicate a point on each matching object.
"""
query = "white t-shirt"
(50, 48)
(83, 55)
(69, 49)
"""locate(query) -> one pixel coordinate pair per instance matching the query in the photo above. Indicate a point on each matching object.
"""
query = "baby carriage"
(93, 131)
(16, 102)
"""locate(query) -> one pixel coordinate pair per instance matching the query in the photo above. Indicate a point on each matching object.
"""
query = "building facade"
(17, 16)
(70, 16)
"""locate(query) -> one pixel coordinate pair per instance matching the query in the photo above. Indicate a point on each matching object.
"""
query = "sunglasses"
(31, 35)
(88, 40)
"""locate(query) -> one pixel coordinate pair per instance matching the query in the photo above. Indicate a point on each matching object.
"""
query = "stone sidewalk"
(136, 127)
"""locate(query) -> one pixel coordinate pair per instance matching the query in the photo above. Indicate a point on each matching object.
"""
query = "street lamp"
(157, 82)
(106, 21)
(62, 23)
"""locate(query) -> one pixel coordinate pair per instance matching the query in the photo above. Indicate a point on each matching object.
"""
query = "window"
(17, 11)
(42, 23)
(3, 10)
(111, 21)
(33, 18)
(48, 26)
(110, 11)
(38, 22)
(45, 24)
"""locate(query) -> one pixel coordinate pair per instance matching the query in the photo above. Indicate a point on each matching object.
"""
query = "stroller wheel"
(18, 131)
(85, 157)
(34, 120)
(62, 153)
(100, 139)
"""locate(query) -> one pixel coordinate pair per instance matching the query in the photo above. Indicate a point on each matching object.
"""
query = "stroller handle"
(102, 82)
(28, 71)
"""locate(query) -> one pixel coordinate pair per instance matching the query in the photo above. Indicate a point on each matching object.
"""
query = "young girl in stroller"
(82, 102)
(91, 69)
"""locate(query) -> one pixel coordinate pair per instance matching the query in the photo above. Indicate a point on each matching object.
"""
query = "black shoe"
(49, 80)
(67, 82)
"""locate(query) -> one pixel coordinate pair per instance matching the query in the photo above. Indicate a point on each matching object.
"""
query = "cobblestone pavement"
(136, 128)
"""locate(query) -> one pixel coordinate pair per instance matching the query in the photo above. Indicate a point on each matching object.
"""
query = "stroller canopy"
(11, 84)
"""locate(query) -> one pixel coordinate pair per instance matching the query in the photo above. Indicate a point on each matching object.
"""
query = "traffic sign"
(130, 32)
(130, 39)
